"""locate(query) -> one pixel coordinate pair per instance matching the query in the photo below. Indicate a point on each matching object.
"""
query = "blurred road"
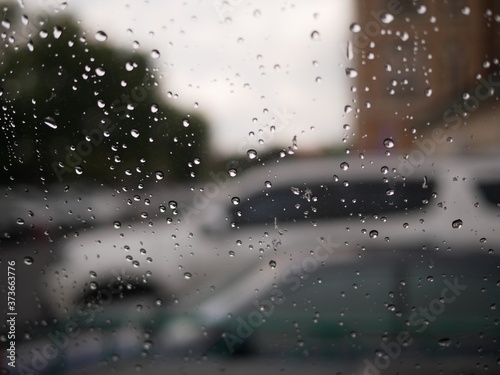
(417, 365)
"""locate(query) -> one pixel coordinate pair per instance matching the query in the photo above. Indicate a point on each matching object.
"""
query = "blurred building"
(418, 64)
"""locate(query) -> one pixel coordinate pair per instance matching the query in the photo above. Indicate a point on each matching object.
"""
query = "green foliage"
(88, 88)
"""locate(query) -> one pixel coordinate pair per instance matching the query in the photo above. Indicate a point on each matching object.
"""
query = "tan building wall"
(415, 64)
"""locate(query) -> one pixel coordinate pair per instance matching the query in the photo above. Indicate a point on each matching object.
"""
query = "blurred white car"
(286, 209)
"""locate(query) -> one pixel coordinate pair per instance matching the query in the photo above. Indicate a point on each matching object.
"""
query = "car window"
(332, 201)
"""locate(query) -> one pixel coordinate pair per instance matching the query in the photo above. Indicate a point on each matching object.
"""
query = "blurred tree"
(75, 107)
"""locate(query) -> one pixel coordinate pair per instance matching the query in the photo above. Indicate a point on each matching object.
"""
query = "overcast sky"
(239, 59)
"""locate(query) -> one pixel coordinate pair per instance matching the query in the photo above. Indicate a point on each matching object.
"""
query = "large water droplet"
(444, 342)
(155, 54)
(457, 224)
(187, 275)
(315, 35)
(344, 166)
(373, 234)
(50, 122)
(57, 32)
(386, 17)
(28, 261)
(389, 143)
(351, 73)
(355, 27)
(252, 154)
(101, 36)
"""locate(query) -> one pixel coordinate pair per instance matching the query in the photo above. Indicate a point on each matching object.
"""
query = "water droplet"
(117, 224)
(232, 172)
(428, 92)
(172, 205)
(344, 166)
(389, 192)
(252, 154)
(268, 184)
(159, 175)
(235, 201)
(135, 133)
(386, 17)
(20, 221)
(155, 54)
(421, 9)
(100, 71)
(57, 32)
(185, 123)
(50, 122)
(355, 27)
(389, 143)
(101, 36)
(349, 51)
(373, 234)
(28, 261)
(78, 170)
(457, 224)
(444, 342)
(187, 275)
(154, 108)
(272, 264)
(351, 73)
(315, 35)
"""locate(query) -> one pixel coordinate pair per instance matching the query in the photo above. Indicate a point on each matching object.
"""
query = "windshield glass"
(249, 186)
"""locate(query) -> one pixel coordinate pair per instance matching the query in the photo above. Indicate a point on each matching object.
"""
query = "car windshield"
(228, 186)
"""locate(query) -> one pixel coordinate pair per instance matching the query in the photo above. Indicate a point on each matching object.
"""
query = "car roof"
(298, 172)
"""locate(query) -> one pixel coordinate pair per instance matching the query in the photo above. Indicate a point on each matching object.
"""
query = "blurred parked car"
(405, 310)
(286, 208)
